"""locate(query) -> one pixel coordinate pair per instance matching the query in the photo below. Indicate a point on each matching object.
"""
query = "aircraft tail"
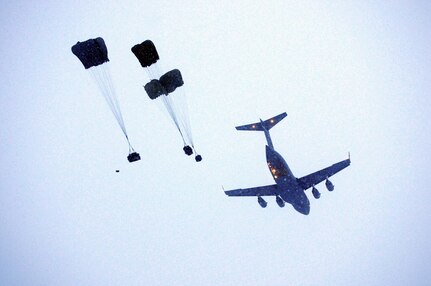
(263, 125)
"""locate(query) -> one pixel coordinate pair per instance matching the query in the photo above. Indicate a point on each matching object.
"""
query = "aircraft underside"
(287, 188)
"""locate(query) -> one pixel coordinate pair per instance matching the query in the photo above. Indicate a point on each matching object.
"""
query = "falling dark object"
(117, 171)
(188, 150)
(133, 157)
(198, 158)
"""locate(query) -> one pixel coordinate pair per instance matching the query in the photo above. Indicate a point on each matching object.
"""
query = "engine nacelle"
(279, 201)
(316, 193)
(262, 202)
(329, 185)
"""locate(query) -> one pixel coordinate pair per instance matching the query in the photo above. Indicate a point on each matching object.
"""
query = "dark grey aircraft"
(287, 187)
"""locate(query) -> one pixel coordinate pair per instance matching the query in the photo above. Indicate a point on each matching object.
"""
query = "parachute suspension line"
(175, 116)
(114, 98)
(97, 75)
(116, 105)
(131, 150)
(150, 74)
(183, 109)
(104, 82)
(153, 71)
(93, 54)
(177, 105)
(180, 119)
(168, 104)
(107, 92)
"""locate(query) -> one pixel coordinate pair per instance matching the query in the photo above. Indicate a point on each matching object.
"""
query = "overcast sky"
(353, 76)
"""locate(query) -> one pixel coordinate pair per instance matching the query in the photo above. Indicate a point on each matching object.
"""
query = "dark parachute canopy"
(148, 57)
(163, 88)
(146, 53)
(93, 54)
(168, 83)
(154, 89)
(171, 80)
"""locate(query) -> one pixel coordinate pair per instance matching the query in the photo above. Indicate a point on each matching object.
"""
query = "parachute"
(166, 89)
(171, 80)
(93, 54)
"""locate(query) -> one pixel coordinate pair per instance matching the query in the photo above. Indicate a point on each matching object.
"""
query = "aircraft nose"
(304, 209)
(303, 206)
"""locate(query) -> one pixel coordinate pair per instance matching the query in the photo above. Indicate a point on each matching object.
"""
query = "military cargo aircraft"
(287, 187)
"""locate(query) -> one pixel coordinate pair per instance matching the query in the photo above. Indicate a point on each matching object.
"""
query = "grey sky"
(351, 75)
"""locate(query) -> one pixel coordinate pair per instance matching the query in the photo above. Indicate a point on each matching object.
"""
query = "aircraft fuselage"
(290, 191)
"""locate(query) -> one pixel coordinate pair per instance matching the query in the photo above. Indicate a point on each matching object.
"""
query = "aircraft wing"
(270, 190)
(319, 176)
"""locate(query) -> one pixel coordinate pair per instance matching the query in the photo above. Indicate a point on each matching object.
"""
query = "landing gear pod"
(329, 185)
(316, 193)
(279, 201)
(262, 202)
(133, 157)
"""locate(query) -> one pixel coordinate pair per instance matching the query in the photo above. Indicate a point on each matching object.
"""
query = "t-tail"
(264, 126)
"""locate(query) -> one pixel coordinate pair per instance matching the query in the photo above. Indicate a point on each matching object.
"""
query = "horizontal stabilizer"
(263, 125)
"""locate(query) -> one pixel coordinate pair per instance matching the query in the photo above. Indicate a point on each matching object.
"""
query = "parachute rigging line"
(163, 88)
(93, 54)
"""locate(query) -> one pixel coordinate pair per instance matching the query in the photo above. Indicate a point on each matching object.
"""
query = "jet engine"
(279, 201)
(329, 185)
(316, 193)
(261, 202)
